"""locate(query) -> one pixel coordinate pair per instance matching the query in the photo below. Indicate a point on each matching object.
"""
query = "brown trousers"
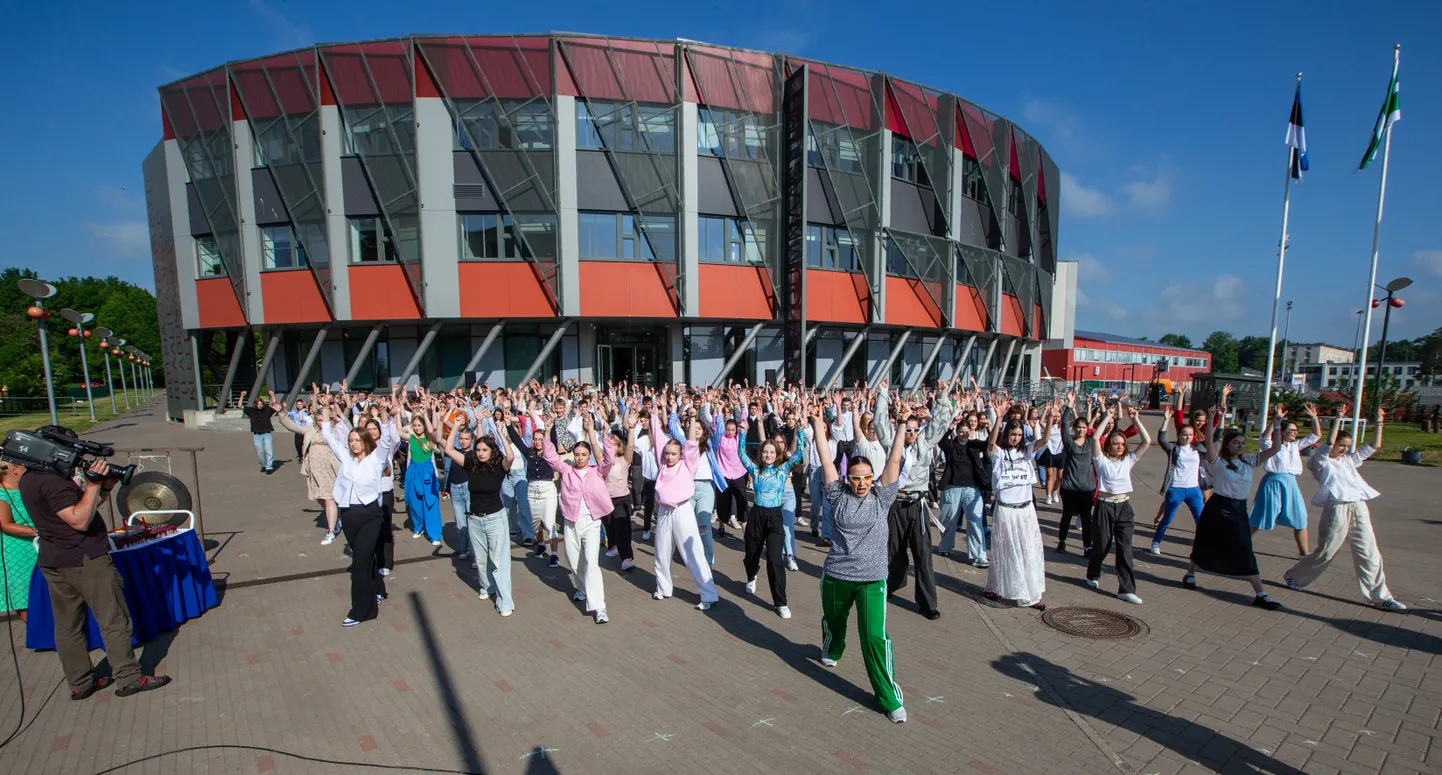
(95, 585)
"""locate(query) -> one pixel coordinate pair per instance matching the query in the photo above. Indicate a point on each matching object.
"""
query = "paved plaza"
(269, 682)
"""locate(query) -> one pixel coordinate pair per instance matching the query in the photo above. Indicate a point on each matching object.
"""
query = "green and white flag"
(1391, 112)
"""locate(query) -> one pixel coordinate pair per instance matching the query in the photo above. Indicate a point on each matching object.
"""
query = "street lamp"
(1391, 288)
(79, 332)
(104, 334)
(40, 291)
(130, 351)
(117, 345)
(1286, 336)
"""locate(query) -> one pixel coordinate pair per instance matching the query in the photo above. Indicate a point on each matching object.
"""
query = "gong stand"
(162, 496)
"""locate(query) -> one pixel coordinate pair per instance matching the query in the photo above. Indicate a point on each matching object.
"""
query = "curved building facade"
(440, 209)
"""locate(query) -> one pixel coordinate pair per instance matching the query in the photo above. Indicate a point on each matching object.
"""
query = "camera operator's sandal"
(145, 684)
(97, 685)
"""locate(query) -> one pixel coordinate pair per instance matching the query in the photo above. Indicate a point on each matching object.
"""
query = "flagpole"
(1361, 370)
(1266, 417)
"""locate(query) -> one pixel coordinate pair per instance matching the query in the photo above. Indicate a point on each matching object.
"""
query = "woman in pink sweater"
(728, 434)
(675, 521)
(584, 503)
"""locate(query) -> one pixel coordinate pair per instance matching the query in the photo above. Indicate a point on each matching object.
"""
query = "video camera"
(59, 451)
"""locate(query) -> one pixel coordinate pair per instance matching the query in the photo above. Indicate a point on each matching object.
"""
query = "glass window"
(623, 235)
(708, 137)
(625, 127)
(972, 183)
(834, 148)
(207, 257)
(732, 240)
(906, 162)
(480, 235)
(371, 241)
(730, 133)
(498, 236)
(379, 130)
(711, 236)
(598, 235)
(813, 245)
(505, 125)
(279, 249)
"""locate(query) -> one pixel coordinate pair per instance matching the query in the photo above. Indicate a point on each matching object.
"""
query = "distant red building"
(1096, 360)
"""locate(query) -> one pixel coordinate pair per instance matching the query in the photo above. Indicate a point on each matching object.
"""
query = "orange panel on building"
(969, 306)
(735, 292)
(1011, 320)
(381, 292)
(618, 289)
(502, 289)
(909, 304)
(1039, 323)
(835, 297)
(217, 304)
(292, 296)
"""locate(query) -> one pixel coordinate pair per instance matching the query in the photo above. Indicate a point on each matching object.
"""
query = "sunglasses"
(913, 431)
(862, 479)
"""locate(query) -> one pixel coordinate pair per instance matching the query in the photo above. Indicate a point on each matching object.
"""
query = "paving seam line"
(1056, 698)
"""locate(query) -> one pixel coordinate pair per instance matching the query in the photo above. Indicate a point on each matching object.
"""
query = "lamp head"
(104, 333)
(76, 317)
(35, 289)
(1398, 284)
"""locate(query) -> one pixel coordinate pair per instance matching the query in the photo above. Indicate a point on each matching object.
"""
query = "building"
(1297, 354)
(1096, 360)
(1318, 377)
(435, 210)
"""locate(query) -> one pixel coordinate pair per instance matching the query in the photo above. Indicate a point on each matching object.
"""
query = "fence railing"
(11, 406)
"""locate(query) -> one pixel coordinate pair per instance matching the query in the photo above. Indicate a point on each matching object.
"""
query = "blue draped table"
(167, 583)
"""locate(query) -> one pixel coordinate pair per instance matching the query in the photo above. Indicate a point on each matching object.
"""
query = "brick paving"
(442, 682)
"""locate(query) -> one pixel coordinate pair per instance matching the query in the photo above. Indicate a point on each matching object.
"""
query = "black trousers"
(1114, 525)
(618, 527)
(648, 503)
(845, 449)
(764, 533)
(386, 546)
(362, 526)
(299, 441)
(1076, 503)
(909, 531)
(733, 497)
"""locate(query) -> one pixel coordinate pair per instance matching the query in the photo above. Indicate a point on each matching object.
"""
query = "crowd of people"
(567, 467)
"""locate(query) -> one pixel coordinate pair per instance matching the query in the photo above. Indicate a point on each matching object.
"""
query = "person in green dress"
(17, 541)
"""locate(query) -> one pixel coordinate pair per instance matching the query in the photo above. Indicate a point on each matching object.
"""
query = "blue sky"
(1167, 120)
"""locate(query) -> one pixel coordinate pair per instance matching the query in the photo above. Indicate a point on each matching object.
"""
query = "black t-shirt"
(61, 546)
(260, 418)
(485, 484)
(459, 474)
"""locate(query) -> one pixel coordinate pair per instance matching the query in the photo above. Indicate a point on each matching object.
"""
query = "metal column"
(365, 351)
(965, 353)
(420, 353)
(237, 349)
(485, 346)
(545, 352)
(985, 367)
(195, 361)
(931, 358)
(305, 366)
(896, 350)
(1005, 363)
(810, 335)
(737, 355)
(270, 348)
(851, 349)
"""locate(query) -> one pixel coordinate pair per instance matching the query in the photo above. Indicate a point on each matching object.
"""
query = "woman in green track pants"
(855, 569)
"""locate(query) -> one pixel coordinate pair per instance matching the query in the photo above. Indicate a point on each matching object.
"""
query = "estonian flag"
(1297, 137)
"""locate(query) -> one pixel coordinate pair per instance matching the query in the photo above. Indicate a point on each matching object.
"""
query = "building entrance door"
(633, 356)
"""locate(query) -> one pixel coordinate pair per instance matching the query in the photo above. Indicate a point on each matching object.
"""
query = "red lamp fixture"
(1397, 303)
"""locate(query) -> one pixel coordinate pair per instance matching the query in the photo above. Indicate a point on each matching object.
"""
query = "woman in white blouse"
(1224, 539)
(357, 495)
(1279, 499)
(1343, 496)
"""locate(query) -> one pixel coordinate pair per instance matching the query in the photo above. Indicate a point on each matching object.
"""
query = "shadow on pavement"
(1190, 740)
(460, 726)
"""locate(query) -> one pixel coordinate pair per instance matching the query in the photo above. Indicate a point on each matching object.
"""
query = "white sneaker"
(1157, 550)
(646, 535)
(733, 524)
(751, 587)
(898, 715)
(657, 596)
(485, 595)
(783, 612)
(507, 613)
(580, 595)
(703, 606)
(415, 535)
(349, 622)
(1129, 597)
(791, 564)
(384, 571)
(329, 538)
(715, 522)
(1391, 605)
(829, 662)
(628, 564)
(1093, 583)
(612, 552)
(803, 522)
(435, 543)
(601, 617)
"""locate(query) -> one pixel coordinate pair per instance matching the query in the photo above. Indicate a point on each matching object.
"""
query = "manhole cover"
(1093, 623)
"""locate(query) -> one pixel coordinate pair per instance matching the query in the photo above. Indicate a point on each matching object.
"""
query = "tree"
(1252, 352)
(1393, 396)
(1223, 348)
(1430, 354)
(1176, 340)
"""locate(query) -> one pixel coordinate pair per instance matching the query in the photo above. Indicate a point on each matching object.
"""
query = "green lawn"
(71, 415)
(1393, 440)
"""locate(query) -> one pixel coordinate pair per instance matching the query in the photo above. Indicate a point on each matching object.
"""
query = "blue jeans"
(264, 450)
(820, 509)
(491, 543)
(513, 495)
(460, 507)
(1173, 500)
(950, 512)
(788, 521)
(703, 501)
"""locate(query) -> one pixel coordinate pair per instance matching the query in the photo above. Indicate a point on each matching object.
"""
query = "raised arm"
(819, 430)
(940, 419)
(1100, 436)
(451, 452)
(1166, 445)
(1211, 438)
(997, 410)
(892, 471)
(881, 417)
(1142, 429)
(548, 452)
(330, 430)
(1276, 446)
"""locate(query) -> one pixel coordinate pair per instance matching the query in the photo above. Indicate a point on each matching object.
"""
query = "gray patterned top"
(859, 532)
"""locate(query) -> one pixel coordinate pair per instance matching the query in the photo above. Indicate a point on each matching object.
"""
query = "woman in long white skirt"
(1018, 565)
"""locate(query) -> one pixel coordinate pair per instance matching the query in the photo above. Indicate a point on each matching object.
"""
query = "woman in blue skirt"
(1279, 501)
(423, 493)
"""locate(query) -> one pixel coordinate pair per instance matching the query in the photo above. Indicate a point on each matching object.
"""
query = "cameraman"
(75, 559)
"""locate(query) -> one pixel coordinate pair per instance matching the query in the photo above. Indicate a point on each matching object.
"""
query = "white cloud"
(283, 30)
(1153, 197)
(1429, 260)
(1061, 122)
(121, 239)
(1189, 303)
(1091, 269)
(1084, 201)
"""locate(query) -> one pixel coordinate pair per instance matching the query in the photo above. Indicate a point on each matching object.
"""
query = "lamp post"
(116, 345)
(79, 332)
(130, 351)
(1391, 301)
(105, 334)
(1286, 336)
(40, 291)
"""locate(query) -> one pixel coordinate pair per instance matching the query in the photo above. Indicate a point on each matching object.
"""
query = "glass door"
(604, 372)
